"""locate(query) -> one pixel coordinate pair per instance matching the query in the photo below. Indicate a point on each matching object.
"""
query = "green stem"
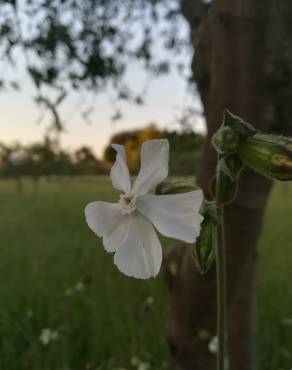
(222, 361)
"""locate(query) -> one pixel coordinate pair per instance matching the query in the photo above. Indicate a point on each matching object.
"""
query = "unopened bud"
(228, 189)
(269, 155)
(231, 165)
(178, 187)
(225, 140)
(203, 250)
(242, 128)
(204, 247)
(231, 133)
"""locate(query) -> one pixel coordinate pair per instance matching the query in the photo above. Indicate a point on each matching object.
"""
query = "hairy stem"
(222, 358)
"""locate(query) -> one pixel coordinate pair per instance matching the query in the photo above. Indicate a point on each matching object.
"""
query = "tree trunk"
(243, 62)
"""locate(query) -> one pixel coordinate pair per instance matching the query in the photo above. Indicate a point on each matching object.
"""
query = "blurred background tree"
(132, 140)
(87, 45)
(185, 149)
(12, 163)
(242, 61)
(47, 158)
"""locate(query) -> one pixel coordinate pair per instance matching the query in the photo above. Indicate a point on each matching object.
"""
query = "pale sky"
(165, 98)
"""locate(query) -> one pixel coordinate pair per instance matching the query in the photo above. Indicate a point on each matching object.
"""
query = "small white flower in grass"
(127, 226)
(48, 335)
(135, 361)
(143, 366)
(79, 287)
(213, 345)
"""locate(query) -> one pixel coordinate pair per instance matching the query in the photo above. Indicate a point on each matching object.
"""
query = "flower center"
(128, 203)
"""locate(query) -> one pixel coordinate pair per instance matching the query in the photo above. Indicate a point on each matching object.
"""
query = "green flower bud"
(209, 209)
(204, 247)
(228, 189)
(232, 132)
(204, 250)
(178, 187)
(242, 128)
(225, 140)
(231, 165)
(269, 155)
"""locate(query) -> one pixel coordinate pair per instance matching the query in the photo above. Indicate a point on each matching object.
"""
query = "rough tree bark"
(243, 62)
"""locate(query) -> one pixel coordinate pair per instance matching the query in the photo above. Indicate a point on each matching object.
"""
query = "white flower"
(79, 287)
(213, 345)
(135, 361)
(143, 366)
(127, 226)
(48, 335)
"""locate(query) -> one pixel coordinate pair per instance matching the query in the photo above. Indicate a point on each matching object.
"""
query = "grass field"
(55, 275)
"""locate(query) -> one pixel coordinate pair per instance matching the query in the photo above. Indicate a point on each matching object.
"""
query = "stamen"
(128, 203)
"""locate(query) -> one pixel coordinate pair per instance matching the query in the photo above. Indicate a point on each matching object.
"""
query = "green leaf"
(228, 189)
(204, 248)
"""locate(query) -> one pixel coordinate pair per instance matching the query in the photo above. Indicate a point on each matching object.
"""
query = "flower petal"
(115, 238)
(140, 255)
(102, 217)
(119, 172)
(176, 215)
(154, 166)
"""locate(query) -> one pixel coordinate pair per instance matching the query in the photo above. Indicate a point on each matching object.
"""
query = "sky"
(164, 100)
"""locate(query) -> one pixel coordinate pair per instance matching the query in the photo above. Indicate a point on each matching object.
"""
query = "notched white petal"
(119, 172)
(115, 237)
(176, 215)
(102, 217)
(140, 255)
(107, 221)
(154, 166)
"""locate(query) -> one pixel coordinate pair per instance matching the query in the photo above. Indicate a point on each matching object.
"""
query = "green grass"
(47, 253)
(275, 283)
